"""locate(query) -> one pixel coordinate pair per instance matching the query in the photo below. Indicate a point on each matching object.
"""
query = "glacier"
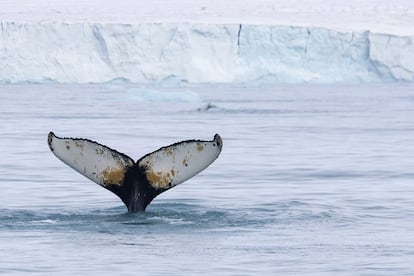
(199, 53)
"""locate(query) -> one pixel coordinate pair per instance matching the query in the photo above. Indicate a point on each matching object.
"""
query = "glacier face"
(199, 53)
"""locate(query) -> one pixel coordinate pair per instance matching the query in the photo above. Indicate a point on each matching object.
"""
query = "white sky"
(389, 16)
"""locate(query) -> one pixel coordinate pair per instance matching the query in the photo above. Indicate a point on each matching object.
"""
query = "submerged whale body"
(136, 183)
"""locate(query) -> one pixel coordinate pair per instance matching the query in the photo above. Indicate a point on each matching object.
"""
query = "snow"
(207, 41)
(395, 17)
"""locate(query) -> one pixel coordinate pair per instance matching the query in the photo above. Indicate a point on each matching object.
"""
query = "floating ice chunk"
(153, 95)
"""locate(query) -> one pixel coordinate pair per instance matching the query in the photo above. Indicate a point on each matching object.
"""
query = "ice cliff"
(199, 53)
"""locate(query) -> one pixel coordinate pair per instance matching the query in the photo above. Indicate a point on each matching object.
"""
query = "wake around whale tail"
(136, 183)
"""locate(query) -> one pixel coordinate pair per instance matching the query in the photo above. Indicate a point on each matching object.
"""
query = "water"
(312, 180)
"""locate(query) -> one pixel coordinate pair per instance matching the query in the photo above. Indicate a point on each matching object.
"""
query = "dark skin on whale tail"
(136, 183)
(136, 192)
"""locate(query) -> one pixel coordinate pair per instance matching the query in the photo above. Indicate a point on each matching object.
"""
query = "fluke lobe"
(136, 183)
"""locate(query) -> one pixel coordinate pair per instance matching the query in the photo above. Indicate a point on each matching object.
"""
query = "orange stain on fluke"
(113, 176)
(200, 147)
(159, 179)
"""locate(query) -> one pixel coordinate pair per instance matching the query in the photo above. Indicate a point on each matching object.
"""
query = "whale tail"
(136, 183)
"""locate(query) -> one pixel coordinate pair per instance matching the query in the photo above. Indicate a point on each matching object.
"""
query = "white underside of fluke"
(164, 168)
(99, 163)
(172, 165)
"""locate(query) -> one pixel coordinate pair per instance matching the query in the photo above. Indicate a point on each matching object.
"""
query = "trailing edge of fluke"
(136, 183)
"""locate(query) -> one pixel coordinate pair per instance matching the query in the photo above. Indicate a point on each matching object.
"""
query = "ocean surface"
(312, 180)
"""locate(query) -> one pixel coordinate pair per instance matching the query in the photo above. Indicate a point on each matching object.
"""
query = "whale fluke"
(136, 183)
